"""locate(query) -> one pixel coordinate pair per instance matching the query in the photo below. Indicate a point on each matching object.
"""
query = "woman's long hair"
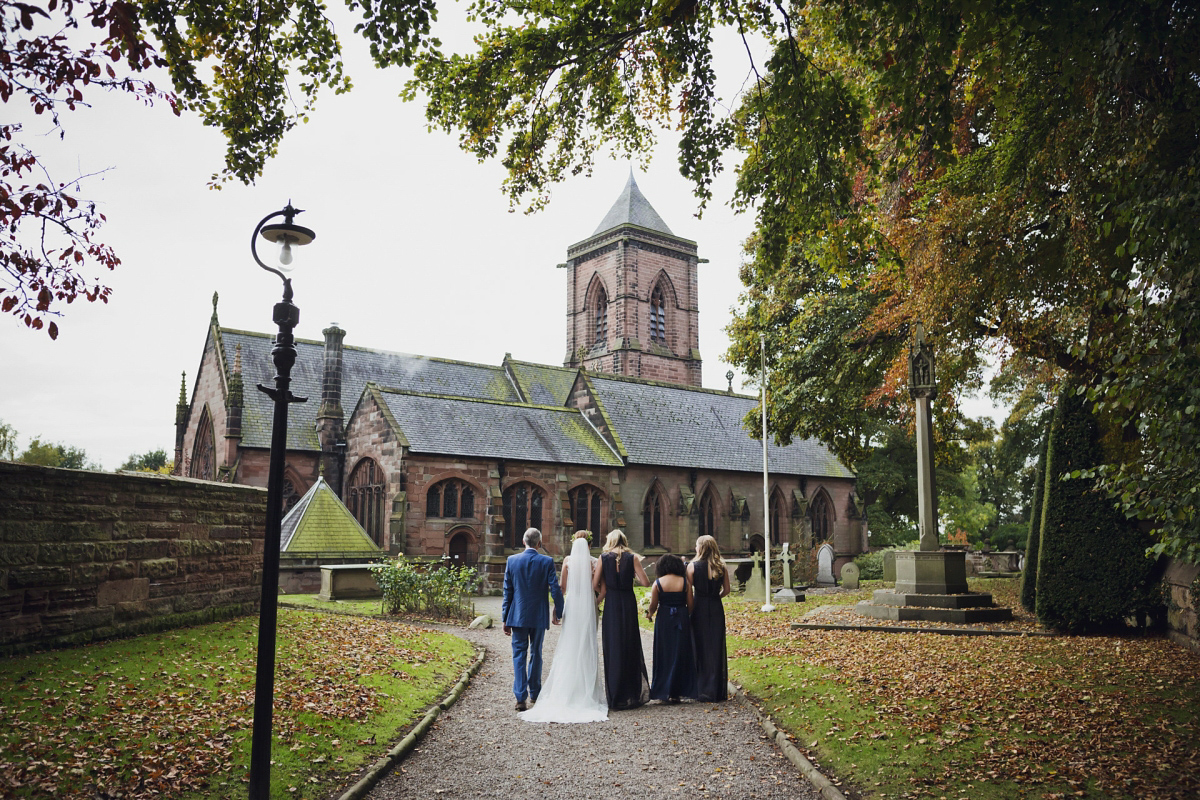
(708, 552)
(616, 543)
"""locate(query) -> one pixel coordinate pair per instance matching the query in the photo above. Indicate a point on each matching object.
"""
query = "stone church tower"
(631, 297)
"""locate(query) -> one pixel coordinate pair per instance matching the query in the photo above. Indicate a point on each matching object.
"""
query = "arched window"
(652, 518)
(820, 513)
(778, 517)
(290, 495)
(204, 450)
(587, 503)
(365, 492)
(601, 316)
(452, 498)
(708, 514)
(658, 317)
(522, 510)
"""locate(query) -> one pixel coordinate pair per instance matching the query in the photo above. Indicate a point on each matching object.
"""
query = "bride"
(572, 691)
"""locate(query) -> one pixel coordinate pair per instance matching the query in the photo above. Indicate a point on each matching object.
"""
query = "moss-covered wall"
(93, 555)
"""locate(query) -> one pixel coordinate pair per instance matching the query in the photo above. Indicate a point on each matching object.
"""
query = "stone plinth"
(931, 572)
(341, 581)
(789, 594)
(963, 609)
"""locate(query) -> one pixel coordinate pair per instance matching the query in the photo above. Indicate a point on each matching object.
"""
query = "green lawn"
(170, 714)
(923, 715)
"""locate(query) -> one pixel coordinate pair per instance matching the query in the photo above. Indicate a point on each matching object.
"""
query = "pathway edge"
(819, 781)
(383, 766)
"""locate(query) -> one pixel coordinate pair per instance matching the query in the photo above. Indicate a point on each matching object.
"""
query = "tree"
(228, 62)
(150, 461)
(8, 441)
(1034, 544)
(1093, 571)
(1023, 178)
(46, 454)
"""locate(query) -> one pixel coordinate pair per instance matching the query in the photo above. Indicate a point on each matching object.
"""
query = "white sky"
(416, 251)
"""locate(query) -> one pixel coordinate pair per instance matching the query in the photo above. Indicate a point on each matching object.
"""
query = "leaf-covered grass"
(368, 607)
(170, 714)
(921, 715)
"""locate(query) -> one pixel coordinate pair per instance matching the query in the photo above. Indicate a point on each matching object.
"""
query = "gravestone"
(786, 593)
(849, 575)
(889, 566)
(755, 587)
(825, 565)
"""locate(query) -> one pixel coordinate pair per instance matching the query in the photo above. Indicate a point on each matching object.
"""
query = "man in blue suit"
(528, 576)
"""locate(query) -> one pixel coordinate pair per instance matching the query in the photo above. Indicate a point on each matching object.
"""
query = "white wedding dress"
(572, 691)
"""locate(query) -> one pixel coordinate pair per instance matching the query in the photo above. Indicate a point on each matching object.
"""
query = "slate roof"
(696, 428)
(542, 384)
(320, 523)
(490, 429)
(359, 366)
(633, 208)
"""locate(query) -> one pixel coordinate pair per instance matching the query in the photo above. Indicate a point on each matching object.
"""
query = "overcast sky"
(416, 251)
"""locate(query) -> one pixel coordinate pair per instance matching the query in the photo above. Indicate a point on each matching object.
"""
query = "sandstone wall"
(94, 555)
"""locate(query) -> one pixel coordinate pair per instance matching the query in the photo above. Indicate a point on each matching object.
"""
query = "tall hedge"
(1092, 566)
(1029, 575)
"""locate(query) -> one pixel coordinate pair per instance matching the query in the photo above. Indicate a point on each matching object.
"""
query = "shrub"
(415, 587)
(870, 565)
(1029, 575)
(1092, 566)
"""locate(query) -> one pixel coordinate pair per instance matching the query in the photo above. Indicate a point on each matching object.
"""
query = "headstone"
(889, 566)
(825, 565)
(756, 587)
(482, 621)
(786, 593)
(849, 575)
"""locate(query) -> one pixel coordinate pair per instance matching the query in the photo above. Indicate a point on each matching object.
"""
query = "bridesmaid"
(624, 666)
(709, 580)
(674, 662)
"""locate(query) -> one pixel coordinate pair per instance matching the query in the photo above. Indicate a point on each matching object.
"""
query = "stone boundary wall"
(88, 555)
(1182, 585)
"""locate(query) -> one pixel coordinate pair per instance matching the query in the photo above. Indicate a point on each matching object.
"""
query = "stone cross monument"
(922, 388)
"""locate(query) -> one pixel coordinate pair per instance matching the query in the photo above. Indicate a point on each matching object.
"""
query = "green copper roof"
(319, 523)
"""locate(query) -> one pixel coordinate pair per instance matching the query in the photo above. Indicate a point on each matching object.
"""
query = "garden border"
(383, 766)
(810, 771)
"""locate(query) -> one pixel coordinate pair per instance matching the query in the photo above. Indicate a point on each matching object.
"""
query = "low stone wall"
(1182, 584)
(95, 555)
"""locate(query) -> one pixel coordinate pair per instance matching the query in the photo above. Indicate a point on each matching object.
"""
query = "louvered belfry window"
(601, 317)
(658, 317)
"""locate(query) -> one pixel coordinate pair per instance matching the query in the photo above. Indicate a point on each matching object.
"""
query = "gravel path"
(479, 748)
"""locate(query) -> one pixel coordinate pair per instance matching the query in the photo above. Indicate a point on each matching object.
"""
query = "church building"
(440, 457)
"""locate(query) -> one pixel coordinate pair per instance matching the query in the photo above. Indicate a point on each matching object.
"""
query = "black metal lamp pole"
(286, 316)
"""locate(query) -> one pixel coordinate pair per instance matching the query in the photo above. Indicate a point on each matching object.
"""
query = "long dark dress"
(625, 680)
(674, 662)
(708, 634)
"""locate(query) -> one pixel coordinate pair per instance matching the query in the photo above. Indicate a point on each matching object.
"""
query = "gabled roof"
(359, 365)
(632, 208)
(681, 426)
(542, 384)
(319, 523)
(491, 429)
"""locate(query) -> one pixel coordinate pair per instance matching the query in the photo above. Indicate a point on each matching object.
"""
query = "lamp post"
(286, 316)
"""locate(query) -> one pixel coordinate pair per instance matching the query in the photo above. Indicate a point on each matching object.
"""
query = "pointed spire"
(237, 360)
(214, 316)
(183, 388)
(632, 208)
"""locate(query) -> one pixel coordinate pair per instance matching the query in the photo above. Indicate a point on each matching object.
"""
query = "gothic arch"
(663, 280)
(656, 507)
(366, 491)
(453, 497)
(204, 449)
(710, 510)
(778, 514)
(588, 510)
(596, 303)
(462, 546)
(822, 514)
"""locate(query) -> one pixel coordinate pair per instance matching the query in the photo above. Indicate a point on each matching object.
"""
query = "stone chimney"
(181, 420)
(331, 429)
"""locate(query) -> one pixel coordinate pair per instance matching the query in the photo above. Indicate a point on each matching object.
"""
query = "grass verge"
(920, 715)
(170, 714)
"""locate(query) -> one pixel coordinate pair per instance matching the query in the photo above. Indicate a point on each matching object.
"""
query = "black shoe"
(520, 705)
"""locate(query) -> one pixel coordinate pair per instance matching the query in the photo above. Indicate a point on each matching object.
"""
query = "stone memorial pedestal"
(756, 587)
(931, 586)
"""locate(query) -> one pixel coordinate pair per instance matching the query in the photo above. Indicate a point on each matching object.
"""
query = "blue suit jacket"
(528, 576)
